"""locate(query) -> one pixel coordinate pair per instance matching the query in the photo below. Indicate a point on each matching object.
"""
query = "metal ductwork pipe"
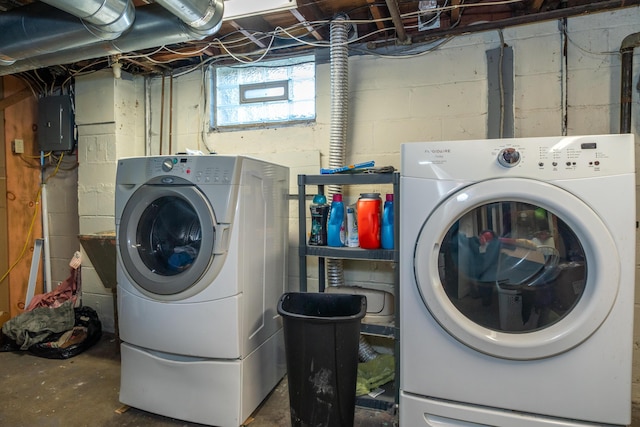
(339, 57)
(110, 16)
(199, 15)
(626, 82)
(38, 28)
(154, 26)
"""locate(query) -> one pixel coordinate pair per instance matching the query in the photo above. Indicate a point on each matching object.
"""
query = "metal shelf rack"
(391, 330)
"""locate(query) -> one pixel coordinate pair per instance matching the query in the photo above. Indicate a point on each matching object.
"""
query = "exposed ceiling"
(377, 25)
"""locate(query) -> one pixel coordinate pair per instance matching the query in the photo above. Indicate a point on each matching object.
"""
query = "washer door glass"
(516, 277)
(166, 238)
(169, 236)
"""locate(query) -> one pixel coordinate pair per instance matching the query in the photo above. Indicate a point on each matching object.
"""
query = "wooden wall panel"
(4, 255)
(23, 197)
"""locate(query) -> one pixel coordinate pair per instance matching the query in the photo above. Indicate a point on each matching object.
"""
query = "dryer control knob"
(509, 157)
(167, 165)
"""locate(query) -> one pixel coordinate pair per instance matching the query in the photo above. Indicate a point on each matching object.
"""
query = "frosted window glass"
(228, 96)
(300, 106)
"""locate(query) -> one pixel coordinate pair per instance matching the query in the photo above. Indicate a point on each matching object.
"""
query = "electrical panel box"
(56, 123)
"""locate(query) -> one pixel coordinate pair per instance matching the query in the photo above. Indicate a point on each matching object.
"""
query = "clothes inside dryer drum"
(169, 236)
(525, 270)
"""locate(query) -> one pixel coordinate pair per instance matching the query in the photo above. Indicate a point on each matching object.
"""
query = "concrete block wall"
(108, 130)
(178, 119)
(440, 95)
(62, 204)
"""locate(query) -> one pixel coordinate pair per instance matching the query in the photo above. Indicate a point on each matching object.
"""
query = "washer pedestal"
(208, 391)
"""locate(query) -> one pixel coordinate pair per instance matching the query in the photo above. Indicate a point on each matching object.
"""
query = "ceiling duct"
(40, 28)
(202, 17)
(163, 23)
(109, 16)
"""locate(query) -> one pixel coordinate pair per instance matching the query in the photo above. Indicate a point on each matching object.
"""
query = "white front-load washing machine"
(517, 281)
(202, 262)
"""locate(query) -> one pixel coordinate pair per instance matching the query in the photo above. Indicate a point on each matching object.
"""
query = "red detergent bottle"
(368, 208)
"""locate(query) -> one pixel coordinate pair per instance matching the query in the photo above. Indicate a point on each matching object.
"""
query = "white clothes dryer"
(202, 262)
(517, 281)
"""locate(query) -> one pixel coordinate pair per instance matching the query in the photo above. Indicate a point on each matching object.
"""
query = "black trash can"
(321, 335)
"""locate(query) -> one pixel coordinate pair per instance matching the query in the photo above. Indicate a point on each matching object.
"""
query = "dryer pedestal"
(421, 411)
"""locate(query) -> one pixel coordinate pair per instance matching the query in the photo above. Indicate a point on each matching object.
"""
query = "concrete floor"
(83, 391)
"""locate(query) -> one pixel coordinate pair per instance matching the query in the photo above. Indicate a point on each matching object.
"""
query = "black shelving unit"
(391, 330)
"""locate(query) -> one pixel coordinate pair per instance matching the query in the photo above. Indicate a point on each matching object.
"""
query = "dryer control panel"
(546, 158)
(509, 157)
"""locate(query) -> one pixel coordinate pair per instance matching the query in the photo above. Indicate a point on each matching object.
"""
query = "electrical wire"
(28, 238)
(38, 85)
(591, 52)
(33, 220)
(286, 33)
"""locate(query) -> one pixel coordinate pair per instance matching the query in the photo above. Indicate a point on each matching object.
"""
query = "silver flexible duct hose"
(339, 55)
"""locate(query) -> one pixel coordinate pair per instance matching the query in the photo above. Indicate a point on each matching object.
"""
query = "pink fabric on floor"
(65, 291)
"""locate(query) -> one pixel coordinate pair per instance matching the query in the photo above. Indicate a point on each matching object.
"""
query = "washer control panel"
(167, 165)
(197, 169)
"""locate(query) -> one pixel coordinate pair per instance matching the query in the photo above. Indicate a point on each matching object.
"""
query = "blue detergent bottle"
(386, 232)
(336, 226)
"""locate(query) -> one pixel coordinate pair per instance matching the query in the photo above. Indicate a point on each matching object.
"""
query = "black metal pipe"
(626, 80)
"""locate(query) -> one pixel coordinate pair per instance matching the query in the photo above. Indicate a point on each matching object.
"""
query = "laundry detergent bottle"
(336, 227)
(368, 212)
(319, 214)
(386, 233)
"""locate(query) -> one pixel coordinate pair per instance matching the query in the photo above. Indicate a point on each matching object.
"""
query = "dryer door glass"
(512, 266)
(516, 268)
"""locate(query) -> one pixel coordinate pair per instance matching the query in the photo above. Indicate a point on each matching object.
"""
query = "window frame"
(214, 126)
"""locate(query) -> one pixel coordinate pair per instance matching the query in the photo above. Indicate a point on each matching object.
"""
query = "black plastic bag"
(86, 332)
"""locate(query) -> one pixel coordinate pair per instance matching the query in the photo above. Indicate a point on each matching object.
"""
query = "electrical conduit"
(629, 43)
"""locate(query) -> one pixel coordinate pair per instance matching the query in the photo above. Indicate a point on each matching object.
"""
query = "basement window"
(269, 93)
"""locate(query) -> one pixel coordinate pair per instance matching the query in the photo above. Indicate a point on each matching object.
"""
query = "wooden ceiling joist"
(306, 24)
(376, 13)
(455, 12)
(14, 98)
(537, 4)
(310, 12)
(248, 35)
